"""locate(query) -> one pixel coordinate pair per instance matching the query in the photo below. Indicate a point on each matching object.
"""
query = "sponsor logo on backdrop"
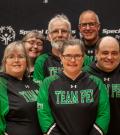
(43, 31)
(7, 34)
(45, 1)
(114, 32)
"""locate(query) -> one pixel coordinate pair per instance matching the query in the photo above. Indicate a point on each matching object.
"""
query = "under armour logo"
(107, 79)
(27, 86)
(73, 86)
(90, 51)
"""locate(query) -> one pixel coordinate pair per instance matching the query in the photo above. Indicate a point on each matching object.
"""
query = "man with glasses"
(59, 30)
(89, 26)
(107, 67)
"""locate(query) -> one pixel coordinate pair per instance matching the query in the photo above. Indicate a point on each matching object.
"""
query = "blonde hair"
(10, 48)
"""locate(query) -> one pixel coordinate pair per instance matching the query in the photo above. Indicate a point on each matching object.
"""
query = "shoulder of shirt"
(42, 57)
(95, 78)
(51, 78)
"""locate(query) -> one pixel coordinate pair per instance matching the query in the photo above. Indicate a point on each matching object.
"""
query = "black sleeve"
(96, 130)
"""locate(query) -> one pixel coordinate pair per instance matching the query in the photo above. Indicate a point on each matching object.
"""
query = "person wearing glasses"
(59, 30)
(107, 67)
(73, 102)
(33, 41)
(89, 27)
(18, 94)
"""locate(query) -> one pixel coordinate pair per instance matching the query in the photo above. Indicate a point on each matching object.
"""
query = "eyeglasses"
(33, 42)
(90, 24)
(18, 57)
(70, 57)
(57, 31)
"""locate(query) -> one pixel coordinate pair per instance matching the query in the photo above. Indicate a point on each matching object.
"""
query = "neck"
(32, 61)
(91, 42)
(56, 52)
(72, 76)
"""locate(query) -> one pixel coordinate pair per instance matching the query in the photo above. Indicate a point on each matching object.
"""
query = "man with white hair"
(107, 67)
(59, 30)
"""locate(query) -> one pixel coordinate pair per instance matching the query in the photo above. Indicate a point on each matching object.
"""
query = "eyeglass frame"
(90, 24)
(56, 31)
(34, 42)
(69, 56)
(19, 57)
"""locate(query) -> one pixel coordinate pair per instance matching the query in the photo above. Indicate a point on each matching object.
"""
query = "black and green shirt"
(112, 81)
(46, 65)
(90, 54)
(79, 107)
(18, 115)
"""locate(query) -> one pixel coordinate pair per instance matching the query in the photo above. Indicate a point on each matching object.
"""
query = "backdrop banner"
(17, 17)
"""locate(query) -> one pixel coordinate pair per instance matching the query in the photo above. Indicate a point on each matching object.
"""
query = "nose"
(109, 56)
(59, 33)
(73, 59)
(35, 45)
(16, 58)
(87, 26)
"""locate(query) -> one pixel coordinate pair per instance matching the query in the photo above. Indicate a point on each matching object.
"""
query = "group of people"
(71, 90)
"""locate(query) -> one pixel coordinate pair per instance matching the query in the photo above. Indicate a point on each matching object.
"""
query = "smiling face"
(108, 54)
(15, 61)
(59, 32)
(72, 60)
(89, 27)
(34, 47)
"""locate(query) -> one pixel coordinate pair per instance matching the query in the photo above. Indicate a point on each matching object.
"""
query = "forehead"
(109, 45)
(59, 24)
(34, 38)
(72, 49)
(88, 17)
(16, 50)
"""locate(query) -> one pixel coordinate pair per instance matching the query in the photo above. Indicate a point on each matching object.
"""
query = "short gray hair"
(91, 12)
(62, 18)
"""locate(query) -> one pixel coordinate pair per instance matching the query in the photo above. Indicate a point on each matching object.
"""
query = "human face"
(34, 47)
(72, 60)
(59, 32)
(89, 27)
(108, 55)
(15, 63)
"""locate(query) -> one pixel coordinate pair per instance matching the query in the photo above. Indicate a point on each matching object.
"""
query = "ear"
(78, 27)
(49, 37)
(60, 57)
(99, 26)
(96, 53)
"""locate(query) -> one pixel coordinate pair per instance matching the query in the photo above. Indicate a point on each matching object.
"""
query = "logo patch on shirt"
(74, 97)
(29, 96)
(73, 86)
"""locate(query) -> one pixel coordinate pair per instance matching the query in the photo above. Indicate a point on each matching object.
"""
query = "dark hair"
(72, 42)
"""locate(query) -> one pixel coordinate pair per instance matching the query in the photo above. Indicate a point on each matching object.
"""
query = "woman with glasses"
(18, 94)
(73, 102)
(34, 41)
